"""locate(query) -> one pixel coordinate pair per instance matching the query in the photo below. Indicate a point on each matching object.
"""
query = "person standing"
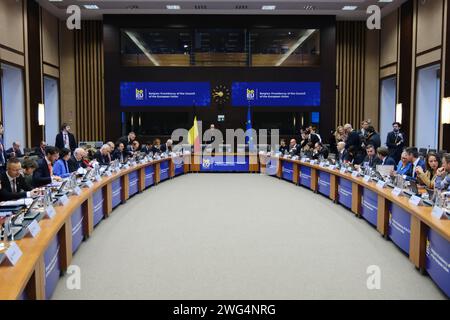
(3, 156)
(65, 139)
(396, 141)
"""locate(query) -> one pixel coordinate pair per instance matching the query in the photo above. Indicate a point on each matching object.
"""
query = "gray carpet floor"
(238, 236)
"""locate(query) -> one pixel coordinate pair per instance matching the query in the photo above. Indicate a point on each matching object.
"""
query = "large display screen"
(165, 94)
(275, 94)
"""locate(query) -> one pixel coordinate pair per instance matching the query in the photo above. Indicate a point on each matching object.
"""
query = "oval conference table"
(422, 237)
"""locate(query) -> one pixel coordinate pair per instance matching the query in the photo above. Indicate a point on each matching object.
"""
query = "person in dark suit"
(13, 185)
(103, 156)
(371, 160)
(309, 140)
(3, 155)
(76, 160)
(354, 156)
(283, 147)
(120, 153)
(396, 141)
(147, 147)
(156, 148)
(341, 155)
(44, 173)
(383, 155)
(14, 151)
(373, 138)
(28, 166)
(40, 151)
(320, 151)
(65, 139)
(416, 161)
(294, 148)
(128, 140)
(353, 138)
(167, 147)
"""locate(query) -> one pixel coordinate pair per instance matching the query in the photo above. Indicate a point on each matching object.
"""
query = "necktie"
(14, 186)
(2, 156)
(67, 168)
(50, 169)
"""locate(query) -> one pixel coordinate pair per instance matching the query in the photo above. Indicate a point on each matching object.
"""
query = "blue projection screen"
(165, 94)
(275, 94)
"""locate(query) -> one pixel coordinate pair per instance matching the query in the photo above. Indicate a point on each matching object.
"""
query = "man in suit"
(147, 147)
(371, 160)
(341, 156)
(13, 185)
(167, 147)
(396, 141)
(353, 138)
(309, 139)
(14, 151)
(156, 148)
(320, 151)
(416, 161)
(3, 155)
(383, 155)
(103, 156)
(44, 173)
(40, 151)
(128, 140)
(65, 139)
(373, 138)
(294, 148)
(76, 160)
(120, 153)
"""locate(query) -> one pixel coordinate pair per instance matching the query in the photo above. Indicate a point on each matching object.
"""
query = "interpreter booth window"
(388, 98)
(13, 105)
(51, 102)
(427, 107)
(220, 47)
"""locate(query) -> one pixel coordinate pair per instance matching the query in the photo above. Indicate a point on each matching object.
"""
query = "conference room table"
(424, 238)
(49, 254)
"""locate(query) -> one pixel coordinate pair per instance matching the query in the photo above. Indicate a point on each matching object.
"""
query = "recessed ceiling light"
(91, 6)
(269, 7)
(173, 7)
(309, 7)
(349, 8)
(385, 0)
(55, 0)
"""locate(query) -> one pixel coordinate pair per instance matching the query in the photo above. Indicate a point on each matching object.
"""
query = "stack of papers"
(27, 202)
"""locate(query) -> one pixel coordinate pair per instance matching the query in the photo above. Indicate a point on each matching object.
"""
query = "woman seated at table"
(61, 166)
(429, 176)
(404, 166)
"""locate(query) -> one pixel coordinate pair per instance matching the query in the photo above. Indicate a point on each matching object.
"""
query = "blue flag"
(248, 127)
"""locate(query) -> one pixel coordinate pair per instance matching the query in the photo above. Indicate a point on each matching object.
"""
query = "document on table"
(385, 170)
(20, 202)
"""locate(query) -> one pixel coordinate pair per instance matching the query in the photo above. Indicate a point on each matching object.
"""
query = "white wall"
(51, 101)
(13, 105)
(427, 108)
(387, 106)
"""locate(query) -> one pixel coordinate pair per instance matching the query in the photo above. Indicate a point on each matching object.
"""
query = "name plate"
(332, 167)
(303, 159)
(343, 170)
(397, 191)
(89, 184)
(98, 178)
(322, 165)
(437, 212)
(126, 166)
(381, 184)
(34, 228)
(312, 161)
(50, 212)
(366, 178)
(415, 200)
(13, 253)
(63, 200)
(77, 191)
(355, 174)
(108, 173)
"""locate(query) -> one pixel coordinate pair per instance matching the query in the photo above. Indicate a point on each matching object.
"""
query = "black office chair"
(423, 152)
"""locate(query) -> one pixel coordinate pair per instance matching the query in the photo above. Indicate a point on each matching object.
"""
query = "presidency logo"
(250, 94)
(139, 94)
(206, 163)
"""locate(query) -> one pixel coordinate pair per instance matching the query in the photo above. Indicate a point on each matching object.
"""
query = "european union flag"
(248, 130)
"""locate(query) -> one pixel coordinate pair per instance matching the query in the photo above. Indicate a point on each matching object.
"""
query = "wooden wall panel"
(429, 25)
(12, 25)
(89, 87)
(50, 39)
(350, 79)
